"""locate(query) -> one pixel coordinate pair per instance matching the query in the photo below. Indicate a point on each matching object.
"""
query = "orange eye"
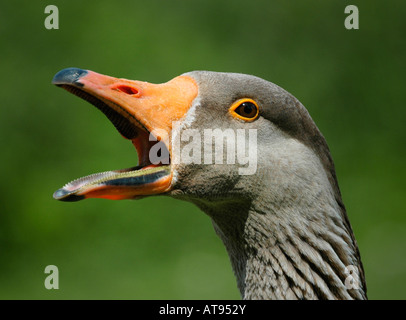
(245, 109)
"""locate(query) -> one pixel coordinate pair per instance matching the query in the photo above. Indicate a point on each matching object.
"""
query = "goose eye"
(245, 109)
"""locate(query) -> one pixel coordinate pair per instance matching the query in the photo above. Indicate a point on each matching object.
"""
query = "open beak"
(143, 113)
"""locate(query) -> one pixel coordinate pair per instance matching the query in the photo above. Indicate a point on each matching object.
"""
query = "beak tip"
(69, 76)
(64, 195)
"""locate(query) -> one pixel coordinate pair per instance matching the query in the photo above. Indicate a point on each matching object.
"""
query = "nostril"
(127, 89)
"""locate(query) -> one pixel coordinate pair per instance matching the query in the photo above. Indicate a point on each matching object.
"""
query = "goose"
(277, 207)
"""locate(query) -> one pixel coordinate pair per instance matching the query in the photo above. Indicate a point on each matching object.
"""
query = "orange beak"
(143, 113)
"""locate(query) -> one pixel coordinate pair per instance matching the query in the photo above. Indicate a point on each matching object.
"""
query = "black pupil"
(248, 109)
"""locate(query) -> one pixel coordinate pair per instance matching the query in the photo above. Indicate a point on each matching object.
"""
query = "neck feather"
(295, 252)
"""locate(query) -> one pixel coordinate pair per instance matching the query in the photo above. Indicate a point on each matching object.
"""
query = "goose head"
(249, 155)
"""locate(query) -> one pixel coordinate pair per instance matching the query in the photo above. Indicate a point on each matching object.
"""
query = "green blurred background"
(351, 81)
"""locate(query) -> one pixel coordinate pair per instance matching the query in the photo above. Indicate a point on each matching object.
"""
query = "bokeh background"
(351, 81)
